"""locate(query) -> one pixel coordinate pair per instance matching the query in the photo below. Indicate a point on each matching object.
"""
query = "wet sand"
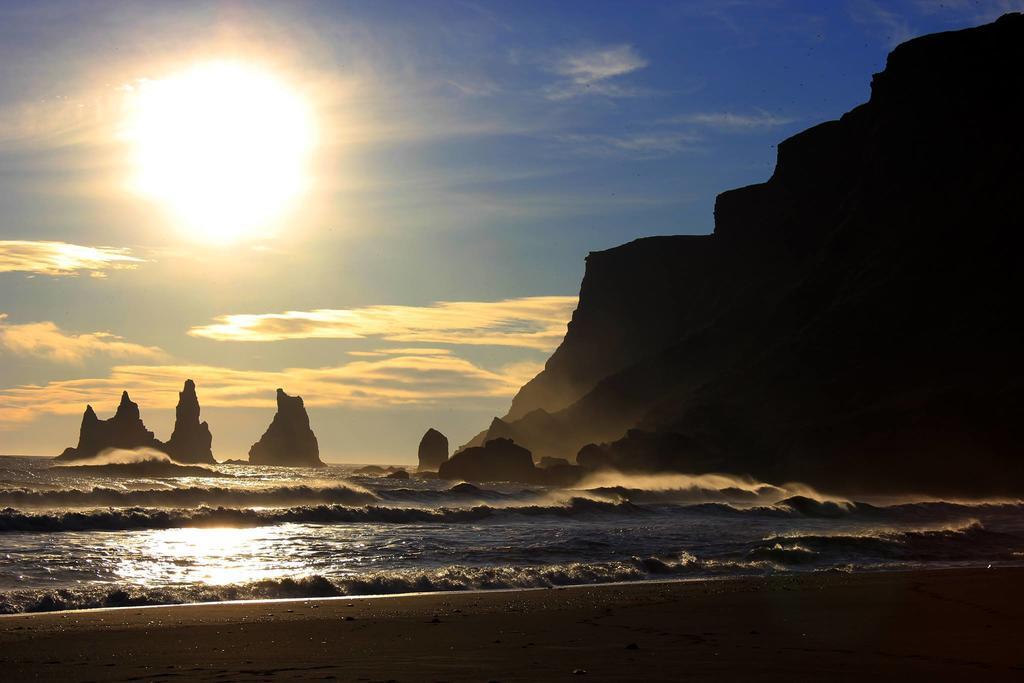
(940, 625)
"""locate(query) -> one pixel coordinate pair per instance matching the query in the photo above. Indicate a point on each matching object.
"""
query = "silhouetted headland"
(289, 439)
(852, 323)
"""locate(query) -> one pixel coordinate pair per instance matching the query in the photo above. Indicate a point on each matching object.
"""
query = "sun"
(224, 146)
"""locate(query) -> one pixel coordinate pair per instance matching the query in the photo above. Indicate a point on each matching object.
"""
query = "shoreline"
(508, 589)
(387, 596)
(952, 624)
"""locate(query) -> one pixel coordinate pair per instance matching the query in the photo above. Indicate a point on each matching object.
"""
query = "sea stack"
(433, 450)
(191, 440)
(124, 430)
(288, 441)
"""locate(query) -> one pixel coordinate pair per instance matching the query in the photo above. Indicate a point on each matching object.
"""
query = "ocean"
(129, 534)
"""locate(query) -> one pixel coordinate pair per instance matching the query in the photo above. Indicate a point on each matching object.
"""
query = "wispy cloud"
(416, 351)
(669, 136)
(594, 72)
(61, 258)
(633, 145)
(975, 10)
(56, 122)
(390, 381)
(530, 322)
(731, 121)
(46, 340)
(597, 65)
(894, 28)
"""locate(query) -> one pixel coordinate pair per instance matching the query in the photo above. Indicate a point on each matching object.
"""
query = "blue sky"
(465, 152)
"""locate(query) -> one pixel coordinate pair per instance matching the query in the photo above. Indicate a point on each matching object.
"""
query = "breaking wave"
(970, 541)
(451, 578)
(143, 468)
(110, 509)
(691, 488)
(804, 507)
(138, 462)
(459, 492)
(121, 456)
(124, 519)
(190, 496)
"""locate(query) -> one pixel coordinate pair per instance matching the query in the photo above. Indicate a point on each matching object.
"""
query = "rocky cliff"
(124, 430)
(289, 439)
(191, 440)
(851, 323)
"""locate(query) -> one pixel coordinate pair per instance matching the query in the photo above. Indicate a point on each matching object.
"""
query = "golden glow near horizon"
(222, 145)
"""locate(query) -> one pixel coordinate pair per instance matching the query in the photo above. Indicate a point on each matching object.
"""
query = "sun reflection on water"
(217, 556)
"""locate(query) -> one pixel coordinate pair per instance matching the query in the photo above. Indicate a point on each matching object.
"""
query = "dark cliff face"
(288, 440)
(191, 440)
(852, 323)
(124, 430)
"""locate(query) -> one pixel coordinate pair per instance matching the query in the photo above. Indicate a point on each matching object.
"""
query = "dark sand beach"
(938, 625)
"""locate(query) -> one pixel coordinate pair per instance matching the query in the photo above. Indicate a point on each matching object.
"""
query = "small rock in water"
(579, 672)
(632, 646)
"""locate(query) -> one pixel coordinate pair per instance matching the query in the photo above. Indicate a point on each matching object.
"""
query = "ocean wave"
(190, 496)
(784, 509)
(694, 487)
(785, 553)
(970, 541)
(806, 507)
(121, 456)
(451, 578)
(125, 519)
(688, 495)
(829, 509)
(144, 468)
(459, 492)
(801, 506)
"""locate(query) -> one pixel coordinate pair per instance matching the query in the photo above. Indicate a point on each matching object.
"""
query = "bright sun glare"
(223, 145)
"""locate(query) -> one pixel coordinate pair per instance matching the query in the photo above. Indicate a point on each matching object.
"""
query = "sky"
(384, 207)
